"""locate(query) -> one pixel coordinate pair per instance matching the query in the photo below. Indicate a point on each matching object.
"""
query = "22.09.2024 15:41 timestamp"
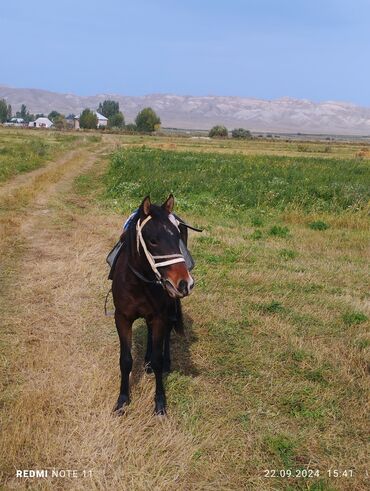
(308, 473)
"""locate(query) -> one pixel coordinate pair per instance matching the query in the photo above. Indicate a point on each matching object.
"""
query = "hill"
(201, 112)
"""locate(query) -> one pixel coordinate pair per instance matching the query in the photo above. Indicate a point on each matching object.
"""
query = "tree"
(24, 114)
(116, 120)
(60, 122)
(241, 133)
(218, 131)
(3, 111)
(88, 120)
(108, 108)
(9, 112)
(53, 115)
(147, 120)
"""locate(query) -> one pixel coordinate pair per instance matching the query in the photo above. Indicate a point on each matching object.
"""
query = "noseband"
(154, 261)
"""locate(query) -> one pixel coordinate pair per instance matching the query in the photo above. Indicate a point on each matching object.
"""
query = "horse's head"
(158, 238)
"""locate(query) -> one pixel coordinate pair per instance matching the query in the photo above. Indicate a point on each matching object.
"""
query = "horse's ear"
(145, 206)
(169, 203)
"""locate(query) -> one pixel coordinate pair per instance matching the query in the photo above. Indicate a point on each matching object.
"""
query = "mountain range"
(284, 115)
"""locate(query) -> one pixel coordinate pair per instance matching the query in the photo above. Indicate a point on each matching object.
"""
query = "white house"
(41, 123)
(102, 120)
(15, 122)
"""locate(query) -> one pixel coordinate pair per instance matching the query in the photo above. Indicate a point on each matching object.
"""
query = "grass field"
(279, 315)
(22, 151)
(283, 147)
(272, 371)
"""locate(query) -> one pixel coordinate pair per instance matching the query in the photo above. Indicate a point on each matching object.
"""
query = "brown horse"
(149, 279)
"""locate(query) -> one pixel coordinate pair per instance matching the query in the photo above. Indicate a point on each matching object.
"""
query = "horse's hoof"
(160, 407)
(148, 368)
(160, 413)
(121, 406)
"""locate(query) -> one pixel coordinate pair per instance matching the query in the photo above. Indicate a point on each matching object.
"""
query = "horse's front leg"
(158, 334)
(124, 328)
(149, 349)
(167, 350)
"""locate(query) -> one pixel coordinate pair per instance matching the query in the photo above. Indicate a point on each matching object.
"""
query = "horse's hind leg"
(149, 348)
(158, 334)
(124, 328)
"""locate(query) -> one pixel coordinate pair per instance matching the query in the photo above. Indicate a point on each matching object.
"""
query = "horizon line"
(326, 101)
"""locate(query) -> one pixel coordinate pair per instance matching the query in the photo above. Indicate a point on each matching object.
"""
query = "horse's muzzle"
(183, 289)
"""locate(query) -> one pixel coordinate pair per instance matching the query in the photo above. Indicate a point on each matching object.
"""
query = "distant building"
(76, 121)
(70, 120)
(102, 120)
(16, 122)
(40, 123)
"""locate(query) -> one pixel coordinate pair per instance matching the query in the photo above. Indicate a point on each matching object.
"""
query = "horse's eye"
(152, 242)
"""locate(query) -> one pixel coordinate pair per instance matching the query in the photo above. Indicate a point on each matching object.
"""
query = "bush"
(273, 307)
(60, 122)
(278, 231)
(147, 121)
(241, 133)
(319, 225)
(218, 131)
(131, 127)
(88, 120)
(54, 115)
(116, 121)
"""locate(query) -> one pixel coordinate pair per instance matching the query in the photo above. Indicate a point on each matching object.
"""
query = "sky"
(316, 49)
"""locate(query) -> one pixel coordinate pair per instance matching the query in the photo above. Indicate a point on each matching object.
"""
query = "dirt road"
(60, 358)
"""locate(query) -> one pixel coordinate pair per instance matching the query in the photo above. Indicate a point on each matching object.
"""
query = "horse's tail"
(178, 323)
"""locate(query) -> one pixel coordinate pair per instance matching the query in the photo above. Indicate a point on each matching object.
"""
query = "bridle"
(155, 262)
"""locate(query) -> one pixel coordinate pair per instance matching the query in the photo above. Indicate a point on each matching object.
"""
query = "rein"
(142, 277)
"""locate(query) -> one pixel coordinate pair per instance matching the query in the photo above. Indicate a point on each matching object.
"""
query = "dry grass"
(257, 146)
(59, 393)
(271, 375)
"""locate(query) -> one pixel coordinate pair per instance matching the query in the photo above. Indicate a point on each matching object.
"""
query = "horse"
(149, 279)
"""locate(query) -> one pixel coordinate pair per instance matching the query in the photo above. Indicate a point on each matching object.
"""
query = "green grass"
(283, 447)
(354, 318)
(26, 151)
(279, 231)
(287, 254)
(275, 333)
(318, 225)
(206, 183)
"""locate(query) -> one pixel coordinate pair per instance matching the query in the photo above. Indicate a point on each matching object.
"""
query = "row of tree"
(146, 121)
(220, 131)
(6, 112)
